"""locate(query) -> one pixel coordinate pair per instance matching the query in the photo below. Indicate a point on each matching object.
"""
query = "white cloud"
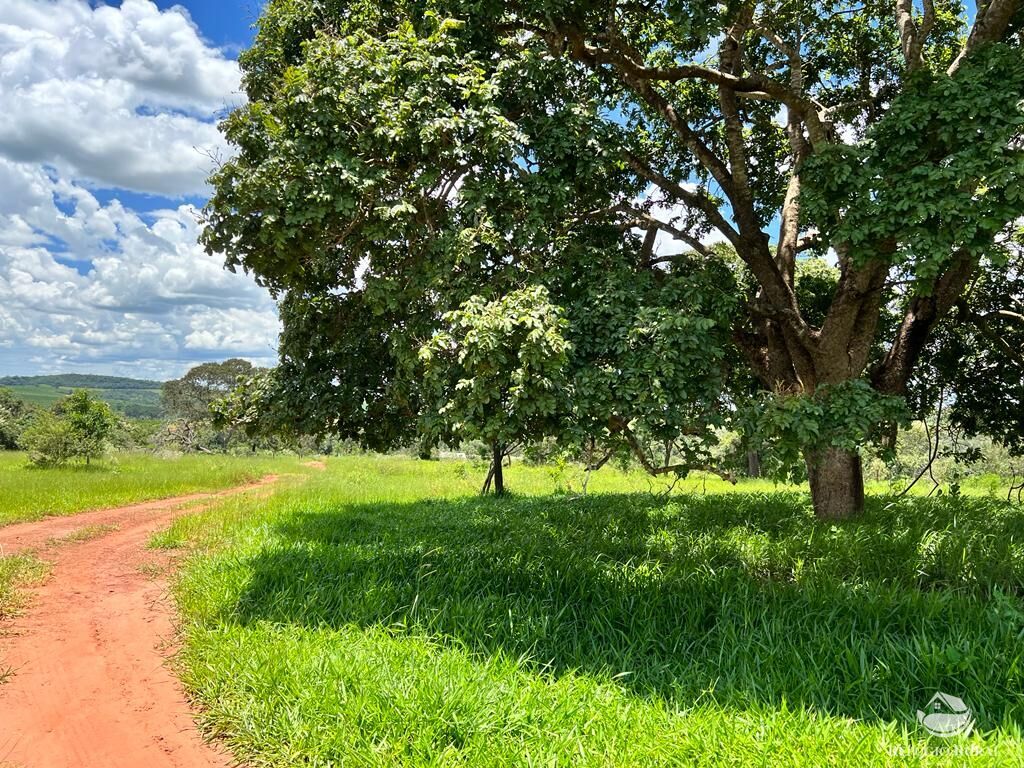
(149, 292)
(114, 98)
(121, 97)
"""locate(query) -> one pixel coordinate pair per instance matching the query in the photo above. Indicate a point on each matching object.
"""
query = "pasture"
(28, 493)
(384, 614)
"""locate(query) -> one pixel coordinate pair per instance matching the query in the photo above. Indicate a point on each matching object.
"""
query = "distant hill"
(136, 398)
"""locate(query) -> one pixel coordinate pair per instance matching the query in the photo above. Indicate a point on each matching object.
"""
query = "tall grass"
(29, 493)
(384, 615)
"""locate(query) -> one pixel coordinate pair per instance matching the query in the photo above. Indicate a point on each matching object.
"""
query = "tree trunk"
(753, 464)
(837, 483)
(498, 452)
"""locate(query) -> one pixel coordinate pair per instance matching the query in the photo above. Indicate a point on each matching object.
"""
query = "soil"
(90, 685)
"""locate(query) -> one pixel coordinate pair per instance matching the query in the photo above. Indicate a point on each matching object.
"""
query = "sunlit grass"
(382, 614)
(29, 493)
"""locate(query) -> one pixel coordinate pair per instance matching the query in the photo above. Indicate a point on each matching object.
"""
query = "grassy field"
(137, 403)
(383, 614)
(28, 493)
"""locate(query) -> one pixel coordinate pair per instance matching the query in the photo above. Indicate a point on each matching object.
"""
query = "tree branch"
(694, 200)
(911, 42)
(652, 469)
(923, 313)
(989, 25)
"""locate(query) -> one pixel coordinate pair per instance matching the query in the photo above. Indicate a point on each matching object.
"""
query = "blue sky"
(225, 23)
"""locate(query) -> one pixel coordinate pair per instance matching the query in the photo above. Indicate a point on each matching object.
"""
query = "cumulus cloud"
(121, 97)
(93, 285)
(99, 99)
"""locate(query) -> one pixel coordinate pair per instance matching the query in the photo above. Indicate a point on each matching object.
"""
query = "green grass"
(28, 493)
(382, 614)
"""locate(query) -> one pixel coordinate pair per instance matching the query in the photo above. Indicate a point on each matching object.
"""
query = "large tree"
(397, 158)
(189, 401)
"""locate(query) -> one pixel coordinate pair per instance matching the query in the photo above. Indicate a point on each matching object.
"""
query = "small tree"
(92, 422)
(496, 373)
(80, 427)
(48, 440)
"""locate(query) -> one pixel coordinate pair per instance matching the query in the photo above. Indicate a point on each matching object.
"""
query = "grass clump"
(85, 533)
(16, 572)
(384, 615)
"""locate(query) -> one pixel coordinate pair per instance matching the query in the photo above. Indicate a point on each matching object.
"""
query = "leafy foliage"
(497, 372)
(977, 358)
(79, 427)
(847, 415)
(941, 174)
(398, 160)
(49, 440)
(13, 417)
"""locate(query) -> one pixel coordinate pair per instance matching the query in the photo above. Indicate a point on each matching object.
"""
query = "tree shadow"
(740, 599)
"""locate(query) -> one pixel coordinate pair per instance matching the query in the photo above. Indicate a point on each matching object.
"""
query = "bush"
(80, 426)
(14, 415)
(50, 440)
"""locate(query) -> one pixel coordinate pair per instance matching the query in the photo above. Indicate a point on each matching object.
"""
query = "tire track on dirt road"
(90, 686)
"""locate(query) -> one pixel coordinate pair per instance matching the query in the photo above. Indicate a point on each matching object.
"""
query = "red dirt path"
(90, 685)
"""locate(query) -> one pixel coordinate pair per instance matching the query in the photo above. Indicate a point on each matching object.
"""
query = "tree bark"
(837, 483)
(753, 464)
(498, 453)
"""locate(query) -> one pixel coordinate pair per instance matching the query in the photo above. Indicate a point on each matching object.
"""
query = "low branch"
(596, 465)
(654, 470)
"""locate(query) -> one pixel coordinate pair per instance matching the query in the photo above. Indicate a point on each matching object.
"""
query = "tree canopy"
(79, 427)
(189, 402)
(396, 160)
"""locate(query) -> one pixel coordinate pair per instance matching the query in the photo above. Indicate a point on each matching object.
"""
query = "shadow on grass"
(742, 599)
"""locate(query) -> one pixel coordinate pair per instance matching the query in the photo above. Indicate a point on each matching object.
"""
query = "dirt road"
(90, 685)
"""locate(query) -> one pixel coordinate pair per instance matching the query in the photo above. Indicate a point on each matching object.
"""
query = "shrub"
(49, 440)
(80, 426)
